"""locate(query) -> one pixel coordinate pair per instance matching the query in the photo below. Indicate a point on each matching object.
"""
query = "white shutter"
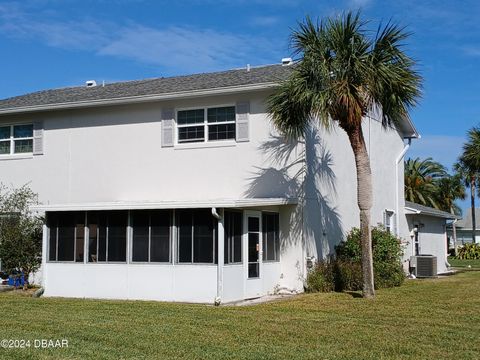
(38, 138)
(168, 128)
(242, 125)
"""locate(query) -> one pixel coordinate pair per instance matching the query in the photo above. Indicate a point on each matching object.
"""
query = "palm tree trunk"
(472, 201)
(364, 199)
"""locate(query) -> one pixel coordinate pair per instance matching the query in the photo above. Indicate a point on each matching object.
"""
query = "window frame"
(12, 140)
(170, 237)
(205, 124)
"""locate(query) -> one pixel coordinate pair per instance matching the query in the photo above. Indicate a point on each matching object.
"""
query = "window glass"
(221, 114)
(221, 132)
(23, 146)
(5, 147)
(23, 131)
(191, 133)
(140, 224)
(160, 236)
(5, 132)
(185, 117)
(117, 236)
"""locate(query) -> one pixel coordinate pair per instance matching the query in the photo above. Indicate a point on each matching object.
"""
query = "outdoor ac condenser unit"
(425, 266)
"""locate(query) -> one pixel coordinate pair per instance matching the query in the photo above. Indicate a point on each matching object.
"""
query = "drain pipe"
(220, 250)
(397, 190)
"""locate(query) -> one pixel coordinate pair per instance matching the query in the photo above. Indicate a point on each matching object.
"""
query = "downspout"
(397, 190)
(220, 250)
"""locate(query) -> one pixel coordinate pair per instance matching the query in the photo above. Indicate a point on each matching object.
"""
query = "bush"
(348, 275)
(320, 278)
(469, 252)
(387, 252)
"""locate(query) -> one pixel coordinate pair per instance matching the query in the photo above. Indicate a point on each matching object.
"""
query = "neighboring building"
(180, 189)
(463, 228)
(428, 234)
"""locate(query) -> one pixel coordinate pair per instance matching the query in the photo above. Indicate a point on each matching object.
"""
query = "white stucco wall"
(432, 239)
(113, 154)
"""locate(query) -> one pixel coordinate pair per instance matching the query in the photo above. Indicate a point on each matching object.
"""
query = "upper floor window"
(210, 124)
(16, 139)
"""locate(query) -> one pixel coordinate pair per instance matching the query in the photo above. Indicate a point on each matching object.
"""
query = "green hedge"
(469, 252)
(344, 271)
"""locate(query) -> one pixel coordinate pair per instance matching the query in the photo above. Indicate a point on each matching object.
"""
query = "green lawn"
(474, 264)
(424, 319)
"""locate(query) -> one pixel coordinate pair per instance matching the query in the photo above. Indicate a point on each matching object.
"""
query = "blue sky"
(56, 43)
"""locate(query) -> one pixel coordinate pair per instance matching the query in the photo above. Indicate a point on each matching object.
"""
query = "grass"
(436, 319)
(457, 263)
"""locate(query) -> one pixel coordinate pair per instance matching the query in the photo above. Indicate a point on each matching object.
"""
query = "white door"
(253, 253)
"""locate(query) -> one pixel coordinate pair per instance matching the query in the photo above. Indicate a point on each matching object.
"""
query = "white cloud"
(179, 49)
(264, 20)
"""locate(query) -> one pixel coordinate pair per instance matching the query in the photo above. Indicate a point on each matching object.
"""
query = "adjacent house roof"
(466, 222)
(416, 209)
(158, 88)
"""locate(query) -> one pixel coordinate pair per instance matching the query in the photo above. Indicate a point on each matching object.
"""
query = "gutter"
(397, 190)
(139, 98)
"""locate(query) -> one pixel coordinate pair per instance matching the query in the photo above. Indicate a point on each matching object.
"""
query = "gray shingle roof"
(466, 222)
(430, 211)
(156, 86)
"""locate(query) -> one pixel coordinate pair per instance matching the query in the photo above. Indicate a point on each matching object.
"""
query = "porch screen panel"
(233, 237)
(102, 236)
(141, 224)
(52, 245)
(160, 236)
(271, 240)
(203, 237)
(79, 236)
(66, 237)
(117, 236)
(185, 232)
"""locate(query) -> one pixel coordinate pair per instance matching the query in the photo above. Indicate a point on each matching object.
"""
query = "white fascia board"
(411, 211)
(139, 99)
(140, 205)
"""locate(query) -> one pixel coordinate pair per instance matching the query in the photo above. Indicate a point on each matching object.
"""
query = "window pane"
(190, 117)
(140, 235)
(23, 131)
(66, 236)
(23, 146)
(221, 114)
(191, 134)
(184, 221)
(79, 236)
(5, 147)
(203, 237)
(117, 236)
(52, 246)
(160, 236)
(5, 132)
(221, 132)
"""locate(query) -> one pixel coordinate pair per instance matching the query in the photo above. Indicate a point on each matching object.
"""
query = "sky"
(57, 43)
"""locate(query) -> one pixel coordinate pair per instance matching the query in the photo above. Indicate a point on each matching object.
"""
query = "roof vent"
(287, 61)
(90, 83)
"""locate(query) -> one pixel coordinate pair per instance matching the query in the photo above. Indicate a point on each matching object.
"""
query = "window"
(211, 124)
(233, 237)
(388, 220)
(16, 139)
(67, 236)
(197, 237)
(107, 240)
(271, 238)
(151, 236)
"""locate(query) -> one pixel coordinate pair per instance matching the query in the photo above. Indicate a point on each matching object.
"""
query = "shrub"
(320, 277)
(469, 252)
(387, 252)
(347, 275)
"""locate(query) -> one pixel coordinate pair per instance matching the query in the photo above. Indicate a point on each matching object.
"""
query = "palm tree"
(421, 181)
(468, 168)
(449, 189)
(341, 75)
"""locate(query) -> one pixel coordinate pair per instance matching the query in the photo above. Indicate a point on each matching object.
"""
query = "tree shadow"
(301, 169)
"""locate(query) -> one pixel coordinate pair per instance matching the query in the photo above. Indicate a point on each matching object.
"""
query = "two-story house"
(180, 189)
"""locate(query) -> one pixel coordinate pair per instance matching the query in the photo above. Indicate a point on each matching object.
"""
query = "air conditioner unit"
(425, 266)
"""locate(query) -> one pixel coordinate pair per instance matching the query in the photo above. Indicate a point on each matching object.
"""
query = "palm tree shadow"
(301, 169)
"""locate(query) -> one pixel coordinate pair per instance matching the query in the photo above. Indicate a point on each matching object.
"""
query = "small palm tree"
(468, 168)
(421, 180)
(341, 75)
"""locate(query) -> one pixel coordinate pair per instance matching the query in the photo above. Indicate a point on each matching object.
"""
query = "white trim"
(185, 204)
(141, 98)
